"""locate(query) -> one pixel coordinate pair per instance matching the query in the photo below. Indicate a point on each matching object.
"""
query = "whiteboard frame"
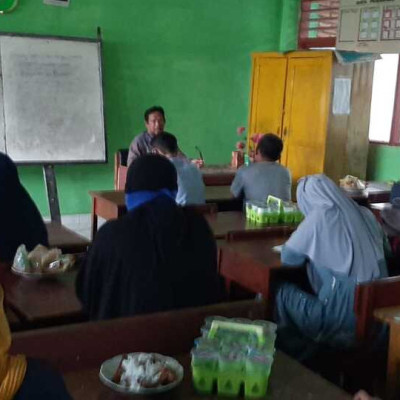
(72, 39)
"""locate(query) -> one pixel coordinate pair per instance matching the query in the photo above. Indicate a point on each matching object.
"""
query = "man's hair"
(166, 143)
(152, 110)
(270, 147)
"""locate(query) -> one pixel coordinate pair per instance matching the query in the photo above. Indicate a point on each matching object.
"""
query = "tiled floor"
(79, 223)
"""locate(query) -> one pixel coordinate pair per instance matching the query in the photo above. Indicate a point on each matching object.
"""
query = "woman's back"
(157, 257)
(21, 220)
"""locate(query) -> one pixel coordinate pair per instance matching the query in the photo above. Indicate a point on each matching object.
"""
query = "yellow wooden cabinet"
(291, 96)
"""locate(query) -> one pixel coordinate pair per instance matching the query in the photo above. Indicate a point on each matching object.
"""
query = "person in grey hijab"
(342, 244)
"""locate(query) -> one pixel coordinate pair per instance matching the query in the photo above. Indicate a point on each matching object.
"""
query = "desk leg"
(94, 218)
(393, 367)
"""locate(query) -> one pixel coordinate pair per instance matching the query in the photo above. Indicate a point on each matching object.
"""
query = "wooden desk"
(226, 221)
(65, 239)
(110, 204)
(289, 381)
(42, 302)
(391, 316)
(249, 262)
(378, 192)
(212, 175)
(78, 351)
(218, 175)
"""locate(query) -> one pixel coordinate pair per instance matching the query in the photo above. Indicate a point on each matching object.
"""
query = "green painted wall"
(191, 56)
(383, 163)
(290, 25)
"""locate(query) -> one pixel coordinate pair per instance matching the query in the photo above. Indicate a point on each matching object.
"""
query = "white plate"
(109, 367)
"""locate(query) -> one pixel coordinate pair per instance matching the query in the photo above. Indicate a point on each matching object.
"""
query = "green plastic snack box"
(235, 353)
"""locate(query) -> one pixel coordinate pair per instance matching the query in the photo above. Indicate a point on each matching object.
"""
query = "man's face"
(155, 123)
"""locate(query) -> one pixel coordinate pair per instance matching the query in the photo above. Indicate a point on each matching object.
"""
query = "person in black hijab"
(157, 257)
(21, 222)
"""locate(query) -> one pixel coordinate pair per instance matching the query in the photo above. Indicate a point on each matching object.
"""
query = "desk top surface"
(35, 300)
(289, 380)
(259, 250)
(226, 221)
(64, 238)
(223, 193)
(118, 196)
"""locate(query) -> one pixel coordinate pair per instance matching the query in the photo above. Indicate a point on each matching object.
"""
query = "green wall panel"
(383, 163)
(191, 56)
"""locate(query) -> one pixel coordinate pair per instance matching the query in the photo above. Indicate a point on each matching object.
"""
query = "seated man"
(156, 257)
(190, 181)
(154, 119)
(266, 176)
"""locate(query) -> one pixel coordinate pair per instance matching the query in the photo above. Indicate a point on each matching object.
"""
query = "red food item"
(167, 376)
(119, 371)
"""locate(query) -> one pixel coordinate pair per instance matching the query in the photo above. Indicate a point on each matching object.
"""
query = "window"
(383, 125)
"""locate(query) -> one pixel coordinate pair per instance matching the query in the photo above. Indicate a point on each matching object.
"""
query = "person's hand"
(198, 163)
(362, 395)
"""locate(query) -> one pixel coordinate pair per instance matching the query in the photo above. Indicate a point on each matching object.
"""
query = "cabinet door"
(306, 112)
(267, 94)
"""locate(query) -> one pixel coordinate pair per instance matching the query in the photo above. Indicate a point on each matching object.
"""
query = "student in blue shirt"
(266, 176)
(190, 181)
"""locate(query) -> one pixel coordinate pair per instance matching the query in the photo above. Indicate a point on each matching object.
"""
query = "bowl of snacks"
(41, 262)
(353, 186)
(141, 373)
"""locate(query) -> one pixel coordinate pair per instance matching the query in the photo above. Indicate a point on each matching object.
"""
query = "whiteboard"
(51, 100)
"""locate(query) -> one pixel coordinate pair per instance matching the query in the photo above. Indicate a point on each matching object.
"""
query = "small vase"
(237, 159)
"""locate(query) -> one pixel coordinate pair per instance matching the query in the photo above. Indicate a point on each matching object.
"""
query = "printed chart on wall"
(369, 26)
(319, 19)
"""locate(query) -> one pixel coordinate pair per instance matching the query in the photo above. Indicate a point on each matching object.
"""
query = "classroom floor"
(79, 223)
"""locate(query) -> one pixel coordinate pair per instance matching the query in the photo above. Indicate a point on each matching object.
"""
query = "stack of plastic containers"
(233, 356)
(269, 214)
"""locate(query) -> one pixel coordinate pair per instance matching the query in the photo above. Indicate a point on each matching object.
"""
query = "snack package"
(21, 261)
(352, 182)
(42, 260)
(41, 257)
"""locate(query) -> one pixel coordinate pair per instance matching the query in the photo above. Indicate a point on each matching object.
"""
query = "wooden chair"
(364, 365)
(370, 296)
(120, 168)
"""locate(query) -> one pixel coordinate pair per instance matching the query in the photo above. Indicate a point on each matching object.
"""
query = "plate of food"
(41, 262)
(353, 186)
(141, 373)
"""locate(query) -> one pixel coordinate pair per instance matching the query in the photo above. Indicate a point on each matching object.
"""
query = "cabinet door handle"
(284, 132)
